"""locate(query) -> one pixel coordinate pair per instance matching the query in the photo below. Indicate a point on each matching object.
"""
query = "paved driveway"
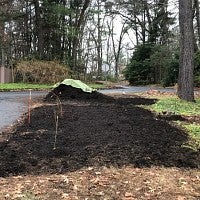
(14, 104)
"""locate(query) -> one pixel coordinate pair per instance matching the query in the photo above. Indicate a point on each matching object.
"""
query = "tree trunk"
(27, 28)
(117, 50)
(196, 7)
(39, 29)
(79, 20)
(186, 65)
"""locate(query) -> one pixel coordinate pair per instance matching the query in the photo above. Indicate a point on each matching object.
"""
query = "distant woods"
(98, 38)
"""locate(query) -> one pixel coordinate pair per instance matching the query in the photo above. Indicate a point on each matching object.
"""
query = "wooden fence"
(5, 75)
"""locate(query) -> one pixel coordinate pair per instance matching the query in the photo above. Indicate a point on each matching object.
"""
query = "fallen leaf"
(128, 194)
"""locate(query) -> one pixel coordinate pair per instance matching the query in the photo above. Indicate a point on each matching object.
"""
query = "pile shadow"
(114, 133)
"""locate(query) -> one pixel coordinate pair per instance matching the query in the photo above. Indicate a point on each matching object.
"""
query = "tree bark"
(186, 65)
(78, 23)
(39, 29)
(197, 15)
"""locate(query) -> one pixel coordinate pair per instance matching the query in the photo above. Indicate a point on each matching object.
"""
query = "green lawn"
(175, 105)
(23, 86)
(26, 86)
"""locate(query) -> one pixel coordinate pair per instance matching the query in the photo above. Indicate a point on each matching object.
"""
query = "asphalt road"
(135, 89)
(13, 105)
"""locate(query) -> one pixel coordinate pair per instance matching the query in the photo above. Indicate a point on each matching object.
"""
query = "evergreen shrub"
(152, 64)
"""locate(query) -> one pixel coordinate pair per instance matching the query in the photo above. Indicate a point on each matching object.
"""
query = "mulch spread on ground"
(92, 146)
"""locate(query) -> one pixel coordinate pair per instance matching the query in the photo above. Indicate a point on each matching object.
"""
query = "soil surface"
(92, 146)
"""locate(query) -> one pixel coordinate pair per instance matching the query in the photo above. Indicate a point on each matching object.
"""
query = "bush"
(197, 80)
(35, 71)
(138, 71)
(197, 69)
(152, 64)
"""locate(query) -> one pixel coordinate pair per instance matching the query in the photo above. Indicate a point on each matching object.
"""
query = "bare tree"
(197, 17)
(117, 50)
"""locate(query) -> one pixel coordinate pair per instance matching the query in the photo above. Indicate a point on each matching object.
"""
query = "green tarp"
(76, 84)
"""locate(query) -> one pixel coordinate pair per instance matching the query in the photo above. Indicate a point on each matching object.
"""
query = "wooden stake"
(29, 109)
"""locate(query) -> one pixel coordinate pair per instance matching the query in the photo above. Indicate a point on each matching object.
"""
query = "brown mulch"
(92, 146)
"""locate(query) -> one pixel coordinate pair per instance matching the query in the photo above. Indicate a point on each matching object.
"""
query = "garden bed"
(81, 148)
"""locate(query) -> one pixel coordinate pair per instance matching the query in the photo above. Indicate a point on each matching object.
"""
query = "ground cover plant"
(108, 148)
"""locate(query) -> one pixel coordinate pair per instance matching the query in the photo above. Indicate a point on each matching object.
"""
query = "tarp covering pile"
(76, 84)
(71, 89)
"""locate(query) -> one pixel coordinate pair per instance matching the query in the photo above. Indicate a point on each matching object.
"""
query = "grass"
(23, 86)
(184, 108)
(177, 106)
(194, 128)
(27, 86)
(193, 131)
(96, 86)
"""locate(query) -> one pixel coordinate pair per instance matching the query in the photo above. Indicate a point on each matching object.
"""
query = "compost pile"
(67, 92)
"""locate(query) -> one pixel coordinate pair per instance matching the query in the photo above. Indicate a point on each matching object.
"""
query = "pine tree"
(186, 68)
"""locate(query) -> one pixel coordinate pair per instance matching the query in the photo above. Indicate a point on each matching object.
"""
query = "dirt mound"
(64, 92)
